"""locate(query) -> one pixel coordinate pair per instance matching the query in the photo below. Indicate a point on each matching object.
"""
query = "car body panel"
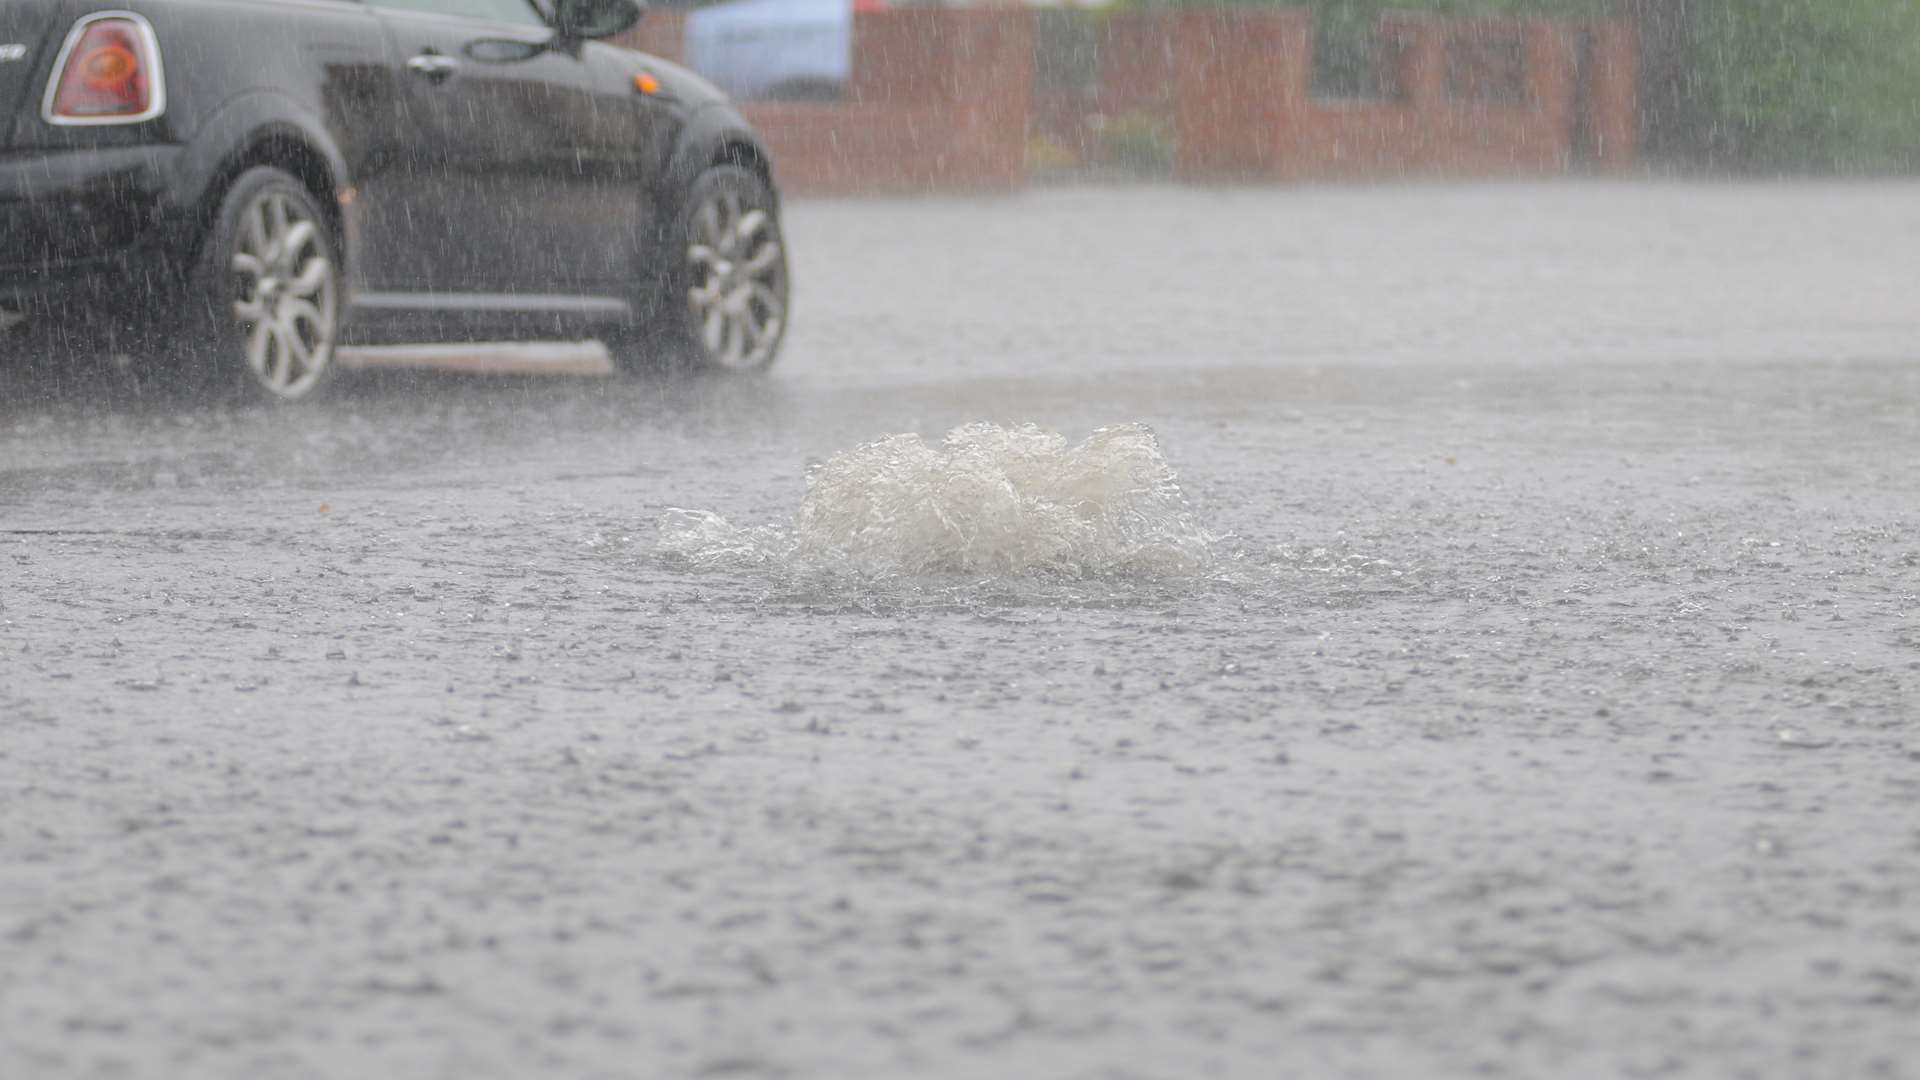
(22, 42)
(508, 178)
(69, 217)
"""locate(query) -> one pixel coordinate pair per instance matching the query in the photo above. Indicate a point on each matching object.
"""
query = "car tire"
(266, 293)
(722, 304)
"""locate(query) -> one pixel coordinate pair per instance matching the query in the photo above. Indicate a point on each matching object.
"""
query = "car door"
(507, 188)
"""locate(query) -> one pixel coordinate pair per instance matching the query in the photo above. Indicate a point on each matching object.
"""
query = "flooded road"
(1545, 699)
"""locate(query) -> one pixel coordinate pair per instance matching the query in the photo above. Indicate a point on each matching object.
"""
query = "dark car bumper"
(78, 223)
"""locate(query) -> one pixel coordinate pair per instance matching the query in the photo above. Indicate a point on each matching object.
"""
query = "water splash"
(987, 501)
(703, 540)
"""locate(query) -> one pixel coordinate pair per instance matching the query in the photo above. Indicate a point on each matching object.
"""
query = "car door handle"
(432, 65)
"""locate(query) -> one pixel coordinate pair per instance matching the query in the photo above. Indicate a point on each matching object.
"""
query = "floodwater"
(1398, 631)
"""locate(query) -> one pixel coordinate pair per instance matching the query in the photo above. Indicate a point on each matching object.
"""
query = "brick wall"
(941, 99)
(1240, 83)
(1610, 97)
(1136, 64)
(1461, 98)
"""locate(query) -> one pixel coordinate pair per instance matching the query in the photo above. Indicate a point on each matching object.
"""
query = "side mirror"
(589, 19)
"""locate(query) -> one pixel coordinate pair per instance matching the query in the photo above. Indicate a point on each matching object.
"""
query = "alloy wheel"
(738, 273)
(287, 296)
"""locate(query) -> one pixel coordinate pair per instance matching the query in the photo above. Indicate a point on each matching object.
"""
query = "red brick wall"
(1136, 64)
(941, 99)
(1241, 79)
(1245, 109)
(1542, 141)
(937, 101)
(1611, 102)
(1419, 55)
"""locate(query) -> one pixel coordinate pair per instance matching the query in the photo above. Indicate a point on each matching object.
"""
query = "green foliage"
(1750, 85)
(1048, 154)
(1803, 85)
(1138, 142)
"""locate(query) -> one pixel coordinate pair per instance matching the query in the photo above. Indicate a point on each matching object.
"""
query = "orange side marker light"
(646, 83)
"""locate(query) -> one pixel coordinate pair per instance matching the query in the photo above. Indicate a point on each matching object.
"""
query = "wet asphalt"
(1551, 706)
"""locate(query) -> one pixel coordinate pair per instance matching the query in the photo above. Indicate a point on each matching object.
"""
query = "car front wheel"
(732, 292)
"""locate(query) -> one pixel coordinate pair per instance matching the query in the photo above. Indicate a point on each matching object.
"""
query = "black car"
(248, 187)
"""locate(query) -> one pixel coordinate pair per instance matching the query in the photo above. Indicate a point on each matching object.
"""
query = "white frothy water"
(988, 500)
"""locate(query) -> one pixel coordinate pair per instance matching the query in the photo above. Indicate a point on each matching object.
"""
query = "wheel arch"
(288, 152)
(269, 130)
(737, 150)
(717, 135)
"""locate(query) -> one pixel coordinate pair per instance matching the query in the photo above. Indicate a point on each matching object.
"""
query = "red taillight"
(109, 73)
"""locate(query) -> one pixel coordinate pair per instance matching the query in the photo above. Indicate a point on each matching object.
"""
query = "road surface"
(1545, 700)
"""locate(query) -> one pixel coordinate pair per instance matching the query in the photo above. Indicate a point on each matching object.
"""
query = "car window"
(515, 12)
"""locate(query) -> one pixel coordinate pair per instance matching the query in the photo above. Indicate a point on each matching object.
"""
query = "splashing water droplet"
(988, 500)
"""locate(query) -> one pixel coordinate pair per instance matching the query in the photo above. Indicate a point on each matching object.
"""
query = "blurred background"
(998, 96)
